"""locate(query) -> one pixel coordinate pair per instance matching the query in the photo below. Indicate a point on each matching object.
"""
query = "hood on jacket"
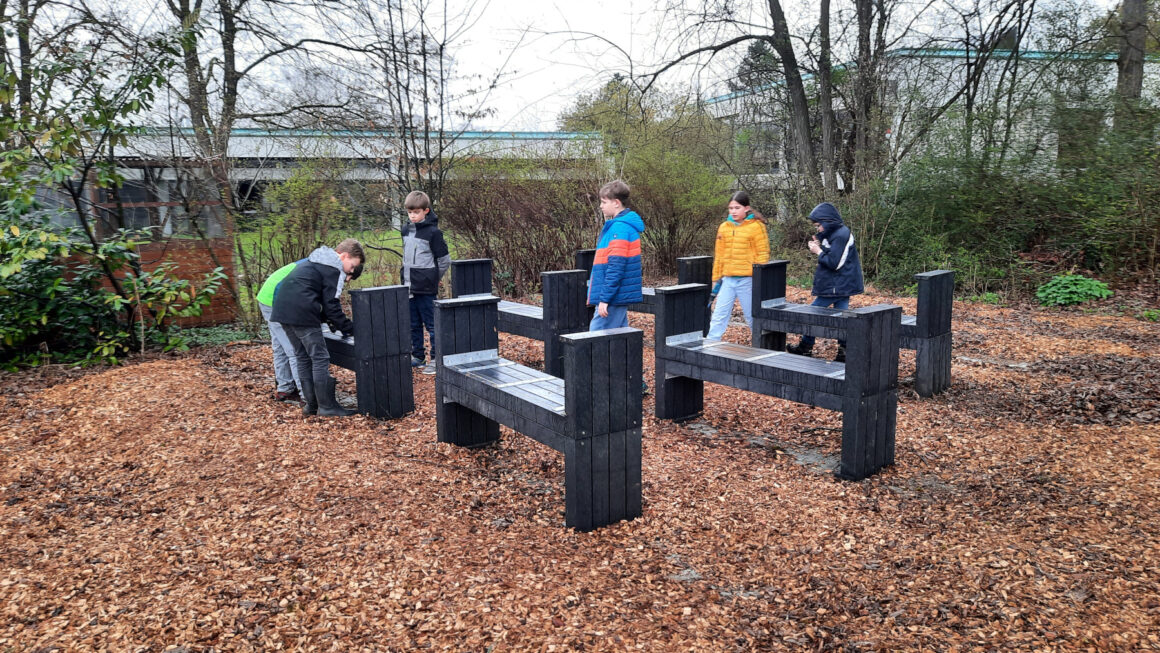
(629, 218)
(826, 214)
(326, 256)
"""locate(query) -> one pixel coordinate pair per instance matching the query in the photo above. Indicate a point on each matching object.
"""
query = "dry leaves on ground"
(171, 504)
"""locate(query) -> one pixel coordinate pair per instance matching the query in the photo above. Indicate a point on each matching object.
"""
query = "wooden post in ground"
(464, 325)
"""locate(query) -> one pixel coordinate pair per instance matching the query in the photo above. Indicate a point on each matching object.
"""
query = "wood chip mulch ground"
(171, 504)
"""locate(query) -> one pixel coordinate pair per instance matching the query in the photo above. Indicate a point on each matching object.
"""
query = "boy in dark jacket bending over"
(305, 299)
(425, 261)
(839, 272)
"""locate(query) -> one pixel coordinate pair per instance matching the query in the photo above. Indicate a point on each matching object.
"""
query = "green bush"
(987, 298)
(1150, 315)
(1069, 289)
(53, 306)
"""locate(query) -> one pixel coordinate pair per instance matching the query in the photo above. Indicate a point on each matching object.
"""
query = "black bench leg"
(678, 398)
(867, 435)
(460, 426)
(932, 360)
(602, 479)
(771, 340)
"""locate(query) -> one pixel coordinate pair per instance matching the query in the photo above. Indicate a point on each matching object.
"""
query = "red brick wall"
(193, 263)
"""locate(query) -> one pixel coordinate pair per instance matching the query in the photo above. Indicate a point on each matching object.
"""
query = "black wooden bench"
(690, 269)
(379, 354)
(564, 310)
(592, 415)
(928, 332)
(864, 389)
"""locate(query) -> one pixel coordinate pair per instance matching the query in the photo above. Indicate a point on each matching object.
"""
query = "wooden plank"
(632, 474)
(599, 397)
(577, 486)
(471, 277)
(600, 479)
(578, 379)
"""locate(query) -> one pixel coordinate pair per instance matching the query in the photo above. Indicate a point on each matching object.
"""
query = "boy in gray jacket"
(425, 260)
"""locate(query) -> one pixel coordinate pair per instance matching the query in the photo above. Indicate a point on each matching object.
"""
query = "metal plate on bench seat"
(526, 310)
(525, 383)
(765, 357)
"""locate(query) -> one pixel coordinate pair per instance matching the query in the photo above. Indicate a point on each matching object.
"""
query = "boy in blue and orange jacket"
(616, 272)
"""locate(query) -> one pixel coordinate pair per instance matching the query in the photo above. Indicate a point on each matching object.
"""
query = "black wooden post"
(697, 269)
(678, 314)
(565, 311)
(471, 277)
(768, 285)
(382, 351)
(936, 291)
(585, 259)
(464, 325)
(870, 391)
(602, 453)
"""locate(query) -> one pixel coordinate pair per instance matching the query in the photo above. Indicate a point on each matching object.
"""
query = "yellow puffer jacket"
(739, 246)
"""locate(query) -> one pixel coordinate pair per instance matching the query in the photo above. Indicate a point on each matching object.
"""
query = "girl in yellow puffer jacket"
(741, 242)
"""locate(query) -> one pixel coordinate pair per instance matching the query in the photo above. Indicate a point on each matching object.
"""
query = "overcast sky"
(546, 58)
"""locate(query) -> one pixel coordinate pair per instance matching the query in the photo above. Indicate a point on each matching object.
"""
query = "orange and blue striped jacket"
(616, 272)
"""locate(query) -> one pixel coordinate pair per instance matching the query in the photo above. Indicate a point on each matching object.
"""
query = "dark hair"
(352, 247)
(417, 199)
(741, 197)
(615, 190)
(357, 272)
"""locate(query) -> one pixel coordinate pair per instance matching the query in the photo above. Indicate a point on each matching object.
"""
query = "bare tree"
(1129, 84)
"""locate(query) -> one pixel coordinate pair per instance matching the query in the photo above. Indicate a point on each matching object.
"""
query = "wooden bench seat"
(592, 415)
(864, 389)
(928, 332)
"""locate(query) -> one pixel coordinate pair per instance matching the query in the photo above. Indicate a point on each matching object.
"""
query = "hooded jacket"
(308, 296)
(839, 272)
(616, 270)
(739, 246)
(425, 255)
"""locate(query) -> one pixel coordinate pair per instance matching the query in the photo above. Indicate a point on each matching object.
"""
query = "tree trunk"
(1130, 82)
(799, 106)
(863, 92)
(825, 81)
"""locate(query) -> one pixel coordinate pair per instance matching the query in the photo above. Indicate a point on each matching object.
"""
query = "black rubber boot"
(799, 350)
(309, 396)
(328, 405)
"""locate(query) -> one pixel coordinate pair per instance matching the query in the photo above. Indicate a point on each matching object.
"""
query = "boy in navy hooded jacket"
(839, 272)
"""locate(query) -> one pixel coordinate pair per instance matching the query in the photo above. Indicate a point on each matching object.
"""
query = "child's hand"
(815, 247)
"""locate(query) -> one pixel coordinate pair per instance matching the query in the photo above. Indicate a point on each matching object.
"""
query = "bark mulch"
(171, 504)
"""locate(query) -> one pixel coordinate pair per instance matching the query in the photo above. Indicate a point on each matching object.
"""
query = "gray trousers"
(285, 365)
(310, 349)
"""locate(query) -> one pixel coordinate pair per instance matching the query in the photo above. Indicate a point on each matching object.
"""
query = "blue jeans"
(617, 317)
(422, 314)
(840, 303)
(739, 288)
(285, 364)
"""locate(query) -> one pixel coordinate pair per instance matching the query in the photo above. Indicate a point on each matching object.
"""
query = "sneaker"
(429, 369)
(417, 362)
(293, 395)
(841, 357)
(799, 350)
